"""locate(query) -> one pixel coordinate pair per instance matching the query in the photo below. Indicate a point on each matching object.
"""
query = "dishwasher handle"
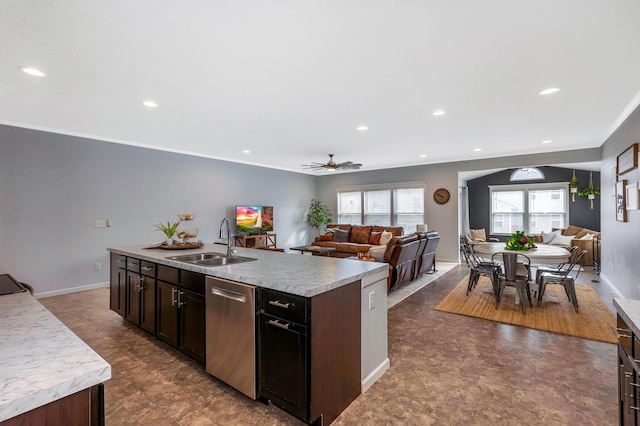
(227, 294)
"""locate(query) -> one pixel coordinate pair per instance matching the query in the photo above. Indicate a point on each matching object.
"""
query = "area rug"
(594, 321)
(408, 289)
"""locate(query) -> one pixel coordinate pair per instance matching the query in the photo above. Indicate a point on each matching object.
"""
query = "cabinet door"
(167, 312)
(148, 304)
(132, 312)
(192, 338)
(283, 364)
(626, 389)
(118, 284)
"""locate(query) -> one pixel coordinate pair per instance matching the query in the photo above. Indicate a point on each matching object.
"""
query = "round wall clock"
(441, 196)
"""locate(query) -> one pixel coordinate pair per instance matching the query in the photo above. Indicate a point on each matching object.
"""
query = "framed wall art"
(628, 160)
(632, 196)
(621, 201)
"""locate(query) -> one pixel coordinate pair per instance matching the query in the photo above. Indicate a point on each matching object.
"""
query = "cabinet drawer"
(148, 269)
(192, 281)
(284, 305)
(168, 274)
(119, 261)
(133, 264)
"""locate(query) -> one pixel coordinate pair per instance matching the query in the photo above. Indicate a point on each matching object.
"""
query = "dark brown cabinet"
(167, 312)
(299, 341)
(118, 292)
(192, 323)
(140, 306)
(628, 375)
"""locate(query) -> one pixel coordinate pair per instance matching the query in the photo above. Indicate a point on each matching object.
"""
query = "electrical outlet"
(97, 266)
(100, 223)
(372, 300)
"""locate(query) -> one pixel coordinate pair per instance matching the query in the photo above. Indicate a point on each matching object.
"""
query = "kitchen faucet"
(229, 251)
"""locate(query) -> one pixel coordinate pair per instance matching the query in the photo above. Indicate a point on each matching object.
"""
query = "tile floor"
(446, 369)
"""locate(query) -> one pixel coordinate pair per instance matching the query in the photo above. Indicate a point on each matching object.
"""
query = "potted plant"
(573, 187)
(519, 241)
(590, 191)
(169, 229)
(318, 214)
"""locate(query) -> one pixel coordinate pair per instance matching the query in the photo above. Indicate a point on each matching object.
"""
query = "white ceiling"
(291, 80)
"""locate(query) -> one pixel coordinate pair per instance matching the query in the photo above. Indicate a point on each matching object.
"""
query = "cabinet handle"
(133, 264)
(147, 268)
(173, 296)
(181, 302)
(279, 324)
(279, 304)
(143, 283)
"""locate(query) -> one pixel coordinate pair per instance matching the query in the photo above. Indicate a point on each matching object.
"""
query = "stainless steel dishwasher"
(231, 333)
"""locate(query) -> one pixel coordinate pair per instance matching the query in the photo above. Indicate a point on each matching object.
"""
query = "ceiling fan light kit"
(332, 166)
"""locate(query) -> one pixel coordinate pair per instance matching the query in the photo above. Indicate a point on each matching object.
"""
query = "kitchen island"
(343, 345)
(46, 371)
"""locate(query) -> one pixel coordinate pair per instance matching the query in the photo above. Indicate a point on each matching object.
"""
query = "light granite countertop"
(629, 311)
(291, 273)
(41, 360)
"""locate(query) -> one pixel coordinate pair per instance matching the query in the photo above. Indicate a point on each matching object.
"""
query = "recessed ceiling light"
(477, 149)
(246, 151)
(32, 71)
(549, 91)
(362, 128)
(438, 112)
(423, 155)
(547, 141)
(150, 104)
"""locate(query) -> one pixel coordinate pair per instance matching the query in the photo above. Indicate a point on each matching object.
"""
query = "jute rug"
(593, 321)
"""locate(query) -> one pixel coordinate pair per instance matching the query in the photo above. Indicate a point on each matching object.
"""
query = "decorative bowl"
(186, 216)
(187, 233)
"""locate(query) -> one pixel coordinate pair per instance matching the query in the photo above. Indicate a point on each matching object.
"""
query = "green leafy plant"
(519, 241)
(318, 214)
(588, 191)
(169, 229)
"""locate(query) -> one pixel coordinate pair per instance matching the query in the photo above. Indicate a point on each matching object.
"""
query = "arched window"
(526, 173)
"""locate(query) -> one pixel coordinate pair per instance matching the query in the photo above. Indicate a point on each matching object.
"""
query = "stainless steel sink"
(210, 259)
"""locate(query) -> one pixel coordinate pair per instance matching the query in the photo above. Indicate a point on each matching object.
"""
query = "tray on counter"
(181, 246)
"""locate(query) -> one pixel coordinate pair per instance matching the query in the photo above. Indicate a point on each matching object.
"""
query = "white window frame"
(383, 187)
(526, 188)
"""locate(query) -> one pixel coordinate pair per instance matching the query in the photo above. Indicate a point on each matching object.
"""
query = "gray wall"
(580, 212)
(444, 218)
(620, 248)
(53, 186)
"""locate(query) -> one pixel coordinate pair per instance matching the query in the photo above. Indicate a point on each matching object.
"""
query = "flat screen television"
(254, 219)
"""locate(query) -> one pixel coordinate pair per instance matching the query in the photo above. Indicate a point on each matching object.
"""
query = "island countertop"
(629, 311)
(291, 273)
(41, 360)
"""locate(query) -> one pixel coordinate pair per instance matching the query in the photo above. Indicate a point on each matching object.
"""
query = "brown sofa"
(358, 238)
(581, 240)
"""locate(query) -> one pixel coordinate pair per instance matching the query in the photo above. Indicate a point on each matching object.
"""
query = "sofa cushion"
(325, 244)
(385, 237)
(586, 231)
(341, 236)
(374, 238)
(395, 230)
(325, 237)
(360, 234)
(571, 230)
(377, 252)
(344, 227)
(353, 247)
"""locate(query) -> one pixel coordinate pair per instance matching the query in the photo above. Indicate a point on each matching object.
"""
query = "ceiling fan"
(332, 165)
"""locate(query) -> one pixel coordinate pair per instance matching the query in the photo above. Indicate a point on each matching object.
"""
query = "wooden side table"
(257, 240)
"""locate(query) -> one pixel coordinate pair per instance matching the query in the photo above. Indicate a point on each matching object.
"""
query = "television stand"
(255, 241)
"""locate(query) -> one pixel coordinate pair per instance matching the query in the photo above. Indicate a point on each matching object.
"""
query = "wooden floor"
(446, 369)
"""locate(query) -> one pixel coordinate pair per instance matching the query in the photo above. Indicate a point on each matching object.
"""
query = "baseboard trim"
(71, 290)
(611, 286)
(375, 375)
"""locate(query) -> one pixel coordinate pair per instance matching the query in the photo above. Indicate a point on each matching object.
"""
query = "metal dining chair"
(564, 278)
(479, 267)
(517, 274)
(573, 252)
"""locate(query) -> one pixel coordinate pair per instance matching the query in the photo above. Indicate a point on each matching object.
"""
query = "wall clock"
(441, 196)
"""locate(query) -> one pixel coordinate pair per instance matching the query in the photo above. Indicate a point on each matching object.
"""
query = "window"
(530, 208)
(384, 205)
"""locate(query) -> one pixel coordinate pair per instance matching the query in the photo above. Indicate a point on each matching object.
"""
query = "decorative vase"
(169, 241)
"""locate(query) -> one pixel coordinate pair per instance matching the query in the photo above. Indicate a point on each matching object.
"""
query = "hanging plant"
(590, 191)
(573, 187)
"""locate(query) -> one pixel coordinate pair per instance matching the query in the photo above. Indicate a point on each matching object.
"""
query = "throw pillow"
(330, 231)
(341, 236)
(547, 237)
(377, 252)
(325, 237)
(478, 235)
(572, 230)
(374, 238)
(385, 237)
(587, 236)
(562, 240)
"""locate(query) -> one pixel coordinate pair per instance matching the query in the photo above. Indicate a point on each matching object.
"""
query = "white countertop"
(41, 360)
(288, 272)
(629, 311)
